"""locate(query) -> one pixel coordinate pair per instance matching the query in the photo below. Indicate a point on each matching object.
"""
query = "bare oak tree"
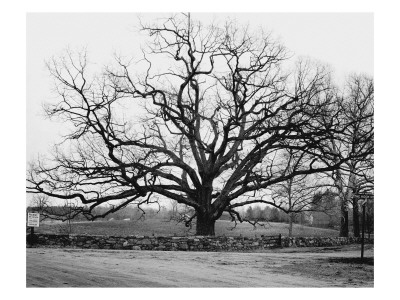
(216, 112)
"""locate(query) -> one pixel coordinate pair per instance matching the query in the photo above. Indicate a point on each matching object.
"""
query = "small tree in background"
(39, 203)
(295, 195)
(326, 209)
(250, 213)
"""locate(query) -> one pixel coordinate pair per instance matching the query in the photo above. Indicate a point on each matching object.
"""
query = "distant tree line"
(324, 212)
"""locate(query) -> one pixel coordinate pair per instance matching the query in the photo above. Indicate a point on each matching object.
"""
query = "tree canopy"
(204, 118)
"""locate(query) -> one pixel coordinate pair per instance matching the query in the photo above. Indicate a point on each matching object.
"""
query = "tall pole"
(363, 230)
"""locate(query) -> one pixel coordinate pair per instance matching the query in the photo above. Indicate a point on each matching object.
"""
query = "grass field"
(160, 227)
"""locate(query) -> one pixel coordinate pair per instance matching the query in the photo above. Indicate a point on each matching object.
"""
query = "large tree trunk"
(344, 222)
(290, 182)
(291, 219)
(205, 225)
(356, 218)
(348, 199)
(344, 211)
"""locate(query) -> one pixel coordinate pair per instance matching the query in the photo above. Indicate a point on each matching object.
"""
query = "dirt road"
(312, 267)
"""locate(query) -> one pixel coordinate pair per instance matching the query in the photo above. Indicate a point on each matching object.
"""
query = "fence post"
(280, 240)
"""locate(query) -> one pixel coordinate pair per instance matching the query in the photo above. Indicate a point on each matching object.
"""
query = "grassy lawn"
(159, 227)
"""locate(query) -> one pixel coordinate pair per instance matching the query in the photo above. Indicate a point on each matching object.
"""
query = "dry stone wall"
(193, 243)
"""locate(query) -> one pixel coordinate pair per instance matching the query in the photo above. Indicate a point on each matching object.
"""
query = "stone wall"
(193, 243)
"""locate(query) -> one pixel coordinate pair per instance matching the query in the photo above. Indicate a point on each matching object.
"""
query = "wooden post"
(30, 237)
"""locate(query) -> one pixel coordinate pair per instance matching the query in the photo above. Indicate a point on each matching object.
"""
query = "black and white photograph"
(202, 136)
(201, 149)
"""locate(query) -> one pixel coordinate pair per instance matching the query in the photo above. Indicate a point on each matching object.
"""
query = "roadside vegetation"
(165, 227)
(172, 220)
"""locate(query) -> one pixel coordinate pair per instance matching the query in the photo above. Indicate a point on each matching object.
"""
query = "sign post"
(33, 221)
(365, 197)
(363, 229)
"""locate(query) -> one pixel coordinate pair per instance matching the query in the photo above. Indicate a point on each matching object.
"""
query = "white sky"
(343, 40)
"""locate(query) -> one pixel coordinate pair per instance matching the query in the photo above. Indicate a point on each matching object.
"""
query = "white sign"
(33, 219)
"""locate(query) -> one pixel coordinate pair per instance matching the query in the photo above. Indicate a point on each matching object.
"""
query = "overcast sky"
(342, 40)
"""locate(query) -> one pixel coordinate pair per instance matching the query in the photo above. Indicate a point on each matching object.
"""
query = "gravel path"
(312, 267)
